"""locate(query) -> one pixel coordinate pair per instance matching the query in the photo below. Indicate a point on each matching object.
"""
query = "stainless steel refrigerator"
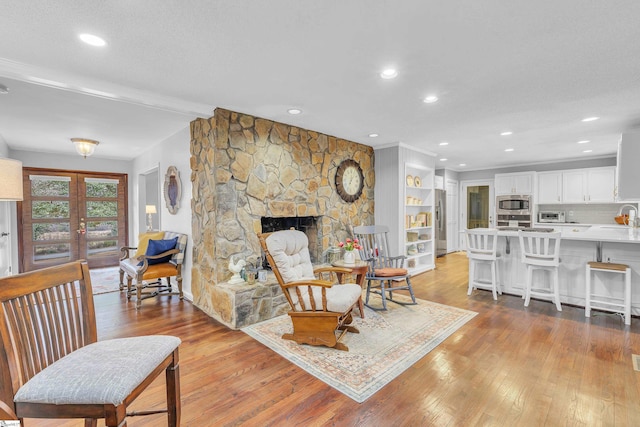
(440, 224)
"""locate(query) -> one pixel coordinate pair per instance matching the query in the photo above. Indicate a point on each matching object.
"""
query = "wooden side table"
(360, 269)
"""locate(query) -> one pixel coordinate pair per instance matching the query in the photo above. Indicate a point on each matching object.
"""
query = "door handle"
(4, 234)
(82, 229)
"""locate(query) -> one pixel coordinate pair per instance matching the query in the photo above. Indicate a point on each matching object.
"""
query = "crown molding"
(407, 146)
(101, 89)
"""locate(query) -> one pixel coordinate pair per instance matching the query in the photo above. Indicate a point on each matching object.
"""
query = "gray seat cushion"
(105, 372)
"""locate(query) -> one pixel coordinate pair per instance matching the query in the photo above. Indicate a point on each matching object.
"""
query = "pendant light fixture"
(85, 147)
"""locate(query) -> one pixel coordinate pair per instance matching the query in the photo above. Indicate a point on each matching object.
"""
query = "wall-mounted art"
(172, 189)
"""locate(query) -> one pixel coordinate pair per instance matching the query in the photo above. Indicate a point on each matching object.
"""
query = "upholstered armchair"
(319, 308)
(159, 255)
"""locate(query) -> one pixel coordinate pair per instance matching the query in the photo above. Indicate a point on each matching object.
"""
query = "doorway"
(477, 206)
(67, 216)
(149, 195)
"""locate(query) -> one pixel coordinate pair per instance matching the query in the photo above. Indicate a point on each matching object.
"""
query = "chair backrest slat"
(44, 315)
(482, 243)
(540, 248)
(374, 240)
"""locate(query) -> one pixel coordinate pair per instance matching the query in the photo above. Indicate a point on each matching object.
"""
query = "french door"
(477, 207)
(67, 216)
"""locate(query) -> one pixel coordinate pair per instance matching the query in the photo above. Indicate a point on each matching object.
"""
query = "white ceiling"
(532, 67)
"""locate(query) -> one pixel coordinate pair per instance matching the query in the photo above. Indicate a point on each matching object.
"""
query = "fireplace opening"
(307, 224)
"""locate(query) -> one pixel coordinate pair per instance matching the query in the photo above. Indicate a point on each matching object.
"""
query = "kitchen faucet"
(632, 218)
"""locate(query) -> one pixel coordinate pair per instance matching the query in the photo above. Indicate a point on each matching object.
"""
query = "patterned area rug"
(105, 280)
(388, 344)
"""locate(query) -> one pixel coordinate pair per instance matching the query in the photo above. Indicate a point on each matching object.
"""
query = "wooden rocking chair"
(318, 308)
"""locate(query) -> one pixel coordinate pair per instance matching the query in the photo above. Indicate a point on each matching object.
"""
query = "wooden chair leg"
(172, 375)
(90, 422)
(139, 292)
(121, 279)
(179, 280)
(129, 286)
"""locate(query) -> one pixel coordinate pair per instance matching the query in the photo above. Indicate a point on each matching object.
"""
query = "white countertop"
(593, 233)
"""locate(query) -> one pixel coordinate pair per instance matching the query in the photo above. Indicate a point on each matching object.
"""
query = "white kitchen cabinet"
(594, 185)
(574, 186)
(601, 184)
(514, 183)
(549, 188)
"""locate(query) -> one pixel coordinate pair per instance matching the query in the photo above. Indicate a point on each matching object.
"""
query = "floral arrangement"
(350, 245)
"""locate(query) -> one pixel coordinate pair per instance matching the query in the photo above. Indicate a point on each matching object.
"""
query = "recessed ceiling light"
(373, 135)
(444, 143)
(506, 133)
(389, 73)
(508, 149)
(590, 119)
(583, 141)
(92, 40)
(3, 89)
(294, 111)
(463, 164)
(444, 160)
(430, 99)
(587, 151)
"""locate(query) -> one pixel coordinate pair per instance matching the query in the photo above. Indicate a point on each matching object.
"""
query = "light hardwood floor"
(509, 366)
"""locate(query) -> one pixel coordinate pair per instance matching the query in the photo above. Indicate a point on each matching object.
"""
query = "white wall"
(173, 151)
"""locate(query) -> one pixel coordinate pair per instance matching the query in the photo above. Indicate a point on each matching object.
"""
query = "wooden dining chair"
(387, 273)
(53, 366)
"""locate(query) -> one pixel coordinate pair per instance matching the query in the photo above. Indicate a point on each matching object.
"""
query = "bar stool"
(482, 245)
(610, 303)
(541, 251)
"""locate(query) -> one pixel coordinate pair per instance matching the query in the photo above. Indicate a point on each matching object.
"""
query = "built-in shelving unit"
(418, 233)
(397, 200)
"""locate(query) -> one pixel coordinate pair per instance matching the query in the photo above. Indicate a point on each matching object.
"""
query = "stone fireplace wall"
(244, 168)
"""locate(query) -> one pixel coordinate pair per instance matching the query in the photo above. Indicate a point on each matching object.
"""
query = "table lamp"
(150, 210)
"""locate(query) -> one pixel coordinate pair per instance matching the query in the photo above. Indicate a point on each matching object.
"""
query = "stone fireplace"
(246, 168)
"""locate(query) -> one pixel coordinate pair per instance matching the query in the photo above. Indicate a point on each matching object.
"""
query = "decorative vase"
(349, 257)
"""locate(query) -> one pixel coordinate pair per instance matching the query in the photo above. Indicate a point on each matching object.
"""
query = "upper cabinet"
(628, 170)
(514, 183)
(549, 188)
(593, 185)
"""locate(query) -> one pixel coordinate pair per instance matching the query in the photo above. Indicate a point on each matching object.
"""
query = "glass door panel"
(478, 206)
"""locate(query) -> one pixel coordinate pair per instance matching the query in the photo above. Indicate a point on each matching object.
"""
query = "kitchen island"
(579, 245)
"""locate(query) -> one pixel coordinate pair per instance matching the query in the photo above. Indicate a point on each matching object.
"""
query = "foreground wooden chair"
(51, 364)
(318, 308)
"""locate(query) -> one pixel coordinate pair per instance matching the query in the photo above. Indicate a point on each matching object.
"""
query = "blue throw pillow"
(156, 247)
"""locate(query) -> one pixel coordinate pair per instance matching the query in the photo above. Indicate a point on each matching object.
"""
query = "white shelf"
(418, 241)
(419, 255)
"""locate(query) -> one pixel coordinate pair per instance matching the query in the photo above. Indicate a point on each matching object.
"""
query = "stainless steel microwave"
(513, 204)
